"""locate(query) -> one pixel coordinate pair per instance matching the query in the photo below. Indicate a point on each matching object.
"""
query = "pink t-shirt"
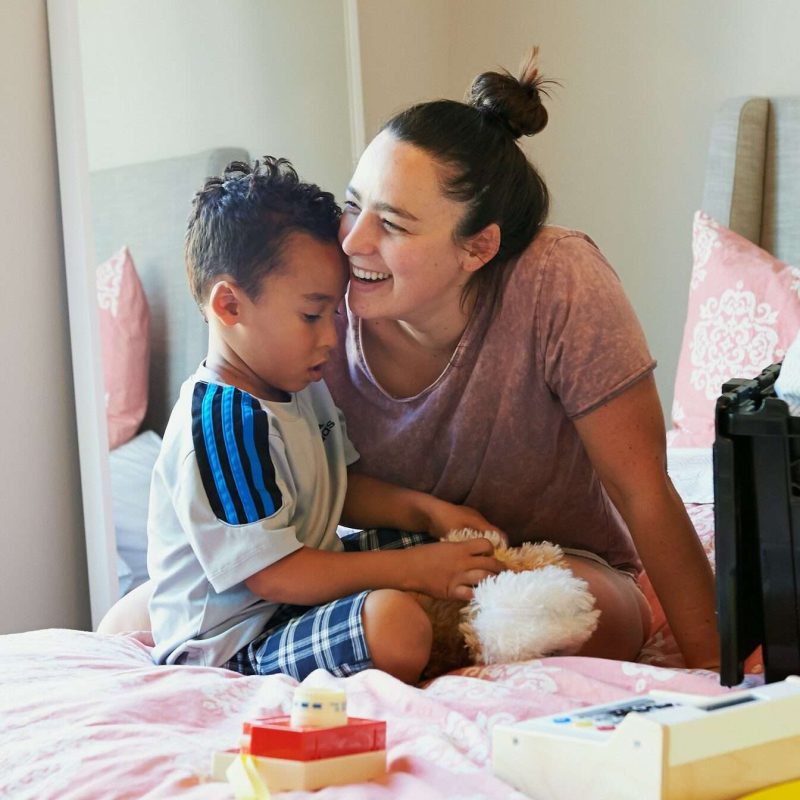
(495, 430)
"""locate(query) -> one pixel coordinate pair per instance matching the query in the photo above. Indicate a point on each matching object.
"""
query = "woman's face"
(398, 233)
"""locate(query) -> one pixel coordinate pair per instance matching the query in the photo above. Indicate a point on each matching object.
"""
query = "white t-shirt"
(239, 484)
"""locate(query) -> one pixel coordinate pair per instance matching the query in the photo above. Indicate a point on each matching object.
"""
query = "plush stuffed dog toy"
(535, 608)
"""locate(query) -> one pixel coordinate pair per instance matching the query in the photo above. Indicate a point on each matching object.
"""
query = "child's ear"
(224, 302)
(481, 248)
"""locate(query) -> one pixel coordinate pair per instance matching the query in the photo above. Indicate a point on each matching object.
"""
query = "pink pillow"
(124, 334)
(744, 312)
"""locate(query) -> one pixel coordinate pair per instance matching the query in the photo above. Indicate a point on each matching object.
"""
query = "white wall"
(625, 149)
(624, 155)
(43, 579)
(405, 55)
(163, 79)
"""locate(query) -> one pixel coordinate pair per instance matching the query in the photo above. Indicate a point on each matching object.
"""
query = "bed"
(89, 716)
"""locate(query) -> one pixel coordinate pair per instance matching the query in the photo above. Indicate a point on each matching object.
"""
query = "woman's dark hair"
(240, 221)
(483, 166)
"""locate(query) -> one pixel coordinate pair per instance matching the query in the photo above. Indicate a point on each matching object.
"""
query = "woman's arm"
(625, 440)
(372, 503)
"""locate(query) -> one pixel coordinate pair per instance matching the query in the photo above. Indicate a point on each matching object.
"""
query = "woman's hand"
(443, 517)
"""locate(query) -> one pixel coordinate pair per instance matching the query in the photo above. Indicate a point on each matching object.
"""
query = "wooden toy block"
(286, 775)
(275, 737)
(662, 746)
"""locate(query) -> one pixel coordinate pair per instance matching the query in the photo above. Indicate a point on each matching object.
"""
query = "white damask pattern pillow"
(744, 312)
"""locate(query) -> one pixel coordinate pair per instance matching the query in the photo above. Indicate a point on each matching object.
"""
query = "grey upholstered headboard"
(145, 206)
(753, 172)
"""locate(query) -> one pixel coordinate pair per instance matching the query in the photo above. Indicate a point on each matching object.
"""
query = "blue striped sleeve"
(230, 431)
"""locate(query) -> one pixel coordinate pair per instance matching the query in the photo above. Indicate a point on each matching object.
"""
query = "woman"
(497, 363)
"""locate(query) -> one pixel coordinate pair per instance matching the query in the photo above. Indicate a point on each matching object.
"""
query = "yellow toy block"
(784, 791)
(286, 775)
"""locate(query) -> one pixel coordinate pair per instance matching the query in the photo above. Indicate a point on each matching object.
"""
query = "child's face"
(287, 334)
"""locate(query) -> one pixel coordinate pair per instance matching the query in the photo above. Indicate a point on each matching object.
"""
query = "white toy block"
(318, 708)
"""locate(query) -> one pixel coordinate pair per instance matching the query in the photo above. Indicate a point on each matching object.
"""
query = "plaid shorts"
(300, 639)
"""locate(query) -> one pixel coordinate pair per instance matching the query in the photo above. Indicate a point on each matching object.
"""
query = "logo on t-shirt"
(326, 428)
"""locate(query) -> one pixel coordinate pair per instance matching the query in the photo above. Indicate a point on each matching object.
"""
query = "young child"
(247, 567)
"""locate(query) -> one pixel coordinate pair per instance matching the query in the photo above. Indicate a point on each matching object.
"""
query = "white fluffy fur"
(535, 607)
(522, 615)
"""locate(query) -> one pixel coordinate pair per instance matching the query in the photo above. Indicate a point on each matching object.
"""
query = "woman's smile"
(368, 275)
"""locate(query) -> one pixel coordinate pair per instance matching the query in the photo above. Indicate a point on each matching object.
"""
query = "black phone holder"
(757, 527)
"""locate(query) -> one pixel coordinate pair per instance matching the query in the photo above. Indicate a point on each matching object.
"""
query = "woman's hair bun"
(515, 102)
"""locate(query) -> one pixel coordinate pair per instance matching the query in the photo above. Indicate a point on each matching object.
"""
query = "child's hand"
(444, 517)
(450, 570)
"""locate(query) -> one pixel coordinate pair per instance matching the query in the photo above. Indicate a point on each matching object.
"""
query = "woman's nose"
(354, 234)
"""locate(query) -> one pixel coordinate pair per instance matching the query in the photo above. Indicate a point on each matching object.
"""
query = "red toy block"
(273, 737)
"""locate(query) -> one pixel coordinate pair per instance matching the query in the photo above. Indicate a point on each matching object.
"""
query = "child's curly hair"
(239, 222)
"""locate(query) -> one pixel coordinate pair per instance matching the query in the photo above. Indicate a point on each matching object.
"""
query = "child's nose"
(328, 336)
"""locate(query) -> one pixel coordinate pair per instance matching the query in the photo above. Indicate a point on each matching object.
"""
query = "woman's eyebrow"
(381, 206)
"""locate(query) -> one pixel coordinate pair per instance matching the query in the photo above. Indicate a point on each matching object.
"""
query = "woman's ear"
(224, 303)
(482, 247)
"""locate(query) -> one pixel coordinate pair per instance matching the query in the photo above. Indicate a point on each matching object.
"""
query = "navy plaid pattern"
(330, 637)
(384, 539)
(300, 639)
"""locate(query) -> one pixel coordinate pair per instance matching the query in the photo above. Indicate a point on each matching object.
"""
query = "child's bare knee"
(398, 633)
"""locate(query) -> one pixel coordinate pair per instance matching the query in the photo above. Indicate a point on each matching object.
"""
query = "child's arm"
(446, 569)
(372, 503)
(312, 577)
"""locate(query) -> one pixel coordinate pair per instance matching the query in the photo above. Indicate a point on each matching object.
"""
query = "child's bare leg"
(129, 613)
(398, 633)
(625, 615)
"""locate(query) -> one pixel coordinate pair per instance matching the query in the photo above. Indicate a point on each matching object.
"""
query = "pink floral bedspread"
(86, 716)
